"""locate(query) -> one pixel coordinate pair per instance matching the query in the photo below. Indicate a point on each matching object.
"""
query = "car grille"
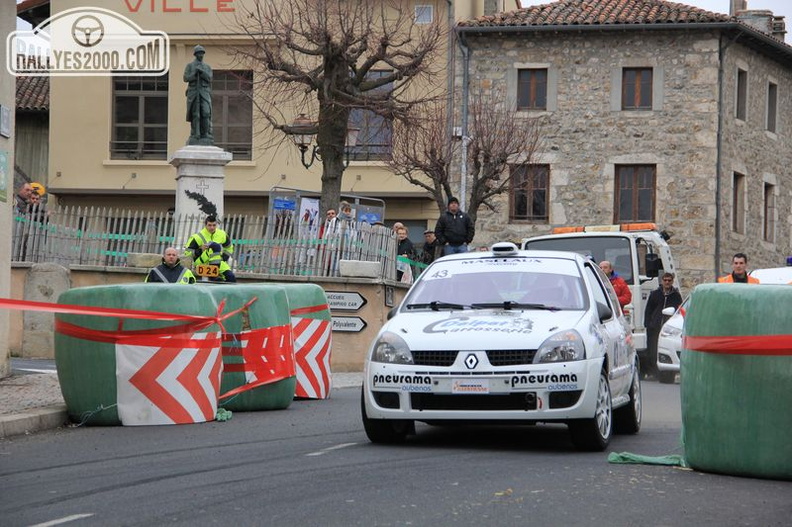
(496, 357)
(434, 357)
(510, 357)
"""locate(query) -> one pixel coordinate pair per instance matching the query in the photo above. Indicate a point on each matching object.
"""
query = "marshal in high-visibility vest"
(210, 249)
(170, 271)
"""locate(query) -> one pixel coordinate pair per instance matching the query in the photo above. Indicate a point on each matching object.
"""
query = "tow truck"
(639, 253)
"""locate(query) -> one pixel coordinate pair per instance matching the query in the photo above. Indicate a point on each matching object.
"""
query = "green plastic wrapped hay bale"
(85, 345)
(261, 330)
(736, 376)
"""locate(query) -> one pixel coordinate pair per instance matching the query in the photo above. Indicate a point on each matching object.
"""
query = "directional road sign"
(348, 324)
(345, 300)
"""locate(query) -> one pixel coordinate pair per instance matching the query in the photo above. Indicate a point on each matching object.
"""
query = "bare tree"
(423, 151)
(500, 141)
(319, 57)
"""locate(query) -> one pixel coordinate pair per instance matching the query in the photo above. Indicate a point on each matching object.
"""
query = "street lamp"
(302, 131)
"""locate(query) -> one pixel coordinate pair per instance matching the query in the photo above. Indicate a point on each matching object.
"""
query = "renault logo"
(471, 361)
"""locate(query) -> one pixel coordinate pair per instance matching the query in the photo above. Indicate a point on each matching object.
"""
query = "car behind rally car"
(669, 343)
(508, 336)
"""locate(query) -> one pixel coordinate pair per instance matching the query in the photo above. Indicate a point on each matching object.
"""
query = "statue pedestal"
(200, 171)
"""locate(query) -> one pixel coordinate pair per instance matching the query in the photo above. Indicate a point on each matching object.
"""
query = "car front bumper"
(541, 392)
(669, 350)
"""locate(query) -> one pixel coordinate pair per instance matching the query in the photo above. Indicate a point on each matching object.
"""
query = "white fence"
(104, 237)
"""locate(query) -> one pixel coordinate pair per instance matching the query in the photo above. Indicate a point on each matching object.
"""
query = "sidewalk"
(33, 401)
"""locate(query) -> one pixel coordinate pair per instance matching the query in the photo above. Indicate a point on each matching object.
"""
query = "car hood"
(481, 329)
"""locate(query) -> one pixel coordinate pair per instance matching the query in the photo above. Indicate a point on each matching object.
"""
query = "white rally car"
(509, 336)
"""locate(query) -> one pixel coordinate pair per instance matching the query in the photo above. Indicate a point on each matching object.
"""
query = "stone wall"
(762, 156)
(588, 134)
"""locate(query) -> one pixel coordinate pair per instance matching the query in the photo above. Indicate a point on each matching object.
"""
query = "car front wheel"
(386, 431)
(594, 434)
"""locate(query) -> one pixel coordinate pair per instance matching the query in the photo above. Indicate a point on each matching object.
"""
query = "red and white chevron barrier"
(312, 355)
(176, 381)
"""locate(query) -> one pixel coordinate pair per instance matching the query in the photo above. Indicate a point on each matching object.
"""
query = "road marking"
(31, 370)
(65, 519)
(330, 449)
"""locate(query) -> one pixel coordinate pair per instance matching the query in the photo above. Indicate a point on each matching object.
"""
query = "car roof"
(518, 253)
(775, 275)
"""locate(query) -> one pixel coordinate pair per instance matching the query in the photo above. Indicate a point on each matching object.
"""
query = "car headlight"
(561, 347)
(391, 348)
(670, 331)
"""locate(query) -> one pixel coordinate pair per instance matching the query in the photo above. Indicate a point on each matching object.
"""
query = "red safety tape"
(309, 309)
(178, 336)
(268, 354)
(767, 345)
(28, 305)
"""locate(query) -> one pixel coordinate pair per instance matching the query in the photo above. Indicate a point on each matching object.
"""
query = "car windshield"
(505, 283)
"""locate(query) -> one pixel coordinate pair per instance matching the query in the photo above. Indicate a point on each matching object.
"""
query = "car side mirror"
(653, 265)
(604, 312)
(392, 312)
(669, 311)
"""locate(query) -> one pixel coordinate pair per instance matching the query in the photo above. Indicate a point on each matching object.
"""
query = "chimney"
(737, 6)
(764, 21)
(779, 28)
(493, 6)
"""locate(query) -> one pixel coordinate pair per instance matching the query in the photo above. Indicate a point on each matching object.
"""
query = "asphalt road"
(311, 465)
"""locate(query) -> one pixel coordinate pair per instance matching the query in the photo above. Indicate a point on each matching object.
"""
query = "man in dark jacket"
(430, 247)
(664, 296)
(454, 229)
(171, 271)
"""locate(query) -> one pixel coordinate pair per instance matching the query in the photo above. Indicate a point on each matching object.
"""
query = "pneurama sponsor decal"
(405, 383)
(552, 381)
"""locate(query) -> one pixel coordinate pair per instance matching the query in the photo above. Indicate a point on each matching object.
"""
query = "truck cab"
(639, 254)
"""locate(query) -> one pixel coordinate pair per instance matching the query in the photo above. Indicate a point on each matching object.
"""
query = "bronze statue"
(198, 76)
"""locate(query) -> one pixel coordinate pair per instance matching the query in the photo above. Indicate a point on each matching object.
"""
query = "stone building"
(657, 112)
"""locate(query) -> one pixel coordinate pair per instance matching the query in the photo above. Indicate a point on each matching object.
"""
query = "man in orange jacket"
(738, 274)
(618, 283)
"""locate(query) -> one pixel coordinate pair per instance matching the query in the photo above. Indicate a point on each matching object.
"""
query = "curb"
(34, 420)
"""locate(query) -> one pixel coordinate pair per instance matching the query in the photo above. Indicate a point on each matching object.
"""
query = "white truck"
(638, 252)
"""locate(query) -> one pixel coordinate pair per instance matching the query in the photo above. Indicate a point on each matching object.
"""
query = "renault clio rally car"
(510, 336)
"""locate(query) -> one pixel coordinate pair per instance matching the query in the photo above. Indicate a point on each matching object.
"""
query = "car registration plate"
(470, 386)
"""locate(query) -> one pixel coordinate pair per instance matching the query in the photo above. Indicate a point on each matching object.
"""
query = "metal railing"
(102, 236)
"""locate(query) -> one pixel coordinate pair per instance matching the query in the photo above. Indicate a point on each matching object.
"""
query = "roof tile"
(596, 12)
(32, 93)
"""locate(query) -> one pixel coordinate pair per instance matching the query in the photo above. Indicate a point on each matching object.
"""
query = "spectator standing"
(212, 246)
(404, 249)
(346, 211)
(664, 296)
(454, 229)
(431, 247)
(170, 271)
(619, 285)
(739, 272)
(23, 198)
